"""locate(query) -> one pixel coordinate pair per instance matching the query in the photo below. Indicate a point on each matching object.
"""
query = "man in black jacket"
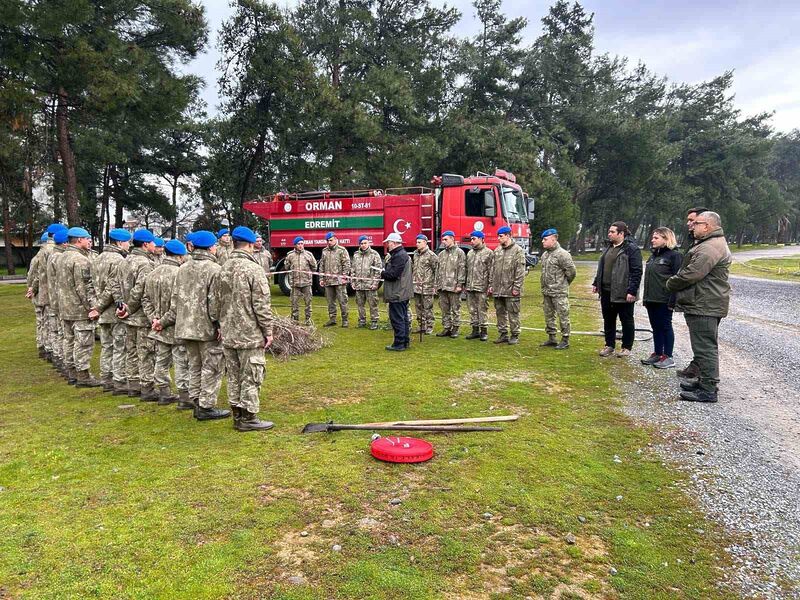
(398, 290)
(619, 274)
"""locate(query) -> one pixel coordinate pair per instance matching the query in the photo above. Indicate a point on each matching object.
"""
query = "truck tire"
(281, 280)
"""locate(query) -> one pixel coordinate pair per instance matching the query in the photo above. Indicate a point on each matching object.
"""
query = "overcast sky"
(688, 41)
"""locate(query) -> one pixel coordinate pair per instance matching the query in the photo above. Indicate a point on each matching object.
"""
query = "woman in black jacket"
(664, 262)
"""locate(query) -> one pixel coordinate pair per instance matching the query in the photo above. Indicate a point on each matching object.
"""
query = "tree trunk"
(174, 227)
(7, 236)
(119, 220)
(67, 159)
(104, 206)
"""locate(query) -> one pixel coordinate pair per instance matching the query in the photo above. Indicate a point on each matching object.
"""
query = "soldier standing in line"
(113, 332)
(558, 272)
(263, 256)
(55, 328)
(38, 289)
(451, 277)
(367, 264)
(158, 251)
(223, 245)
(76, 305)
(508, 277)
(335, 262)
(159, 287)
(479, 269)
(424, 264)
(300, 263)
(140, 359)
(241, 305)
(189, 313)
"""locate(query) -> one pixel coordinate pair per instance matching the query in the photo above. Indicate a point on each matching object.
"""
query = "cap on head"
(159, 242)
(329, 235)
(188, 237)
(448, 233)
(548, 232)
(51, 229)
(504, 230)
(393, 237)
(203, 239)
(78, 232)
(175, 247)
(44, 238)
(60, 236)
(144, 236)
(223, 231)
(422, 236)
(244, 234)
(120, 235)
(362, 238)
(477, 234)
(298, 240)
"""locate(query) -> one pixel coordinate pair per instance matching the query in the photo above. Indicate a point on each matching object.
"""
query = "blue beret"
(204, 239)
(362, 238)
(329, 235)
(504, 229)
(448, 232)
(477, 234)
(547, 232)
(78, 232)
(143, 235)
(120, 235)
(175, 247)
(51, 229)
(159, 242)
(244, 234)
(223, 231)
(60, 237)
(188, 237)
(44, 238)
(422, 236)
(298, 239)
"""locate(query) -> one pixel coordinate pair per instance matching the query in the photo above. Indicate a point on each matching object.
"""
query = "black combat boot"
(503, 339)
(149, 393)
(474, 335)
(184, 403)
(564, 343)
(454, 332)
(210, 414)
(484, 334)
(108, 383)
(443, 333)
(41, 352)
(134, 390)
(345, 323)
(513, 340)
(551, 341)
(373, 325)
(84, 379)
(165, 396)
(72, 378)
(330, 323)
(690, 385)
(397, 347)
(236, 413)
(250, 422)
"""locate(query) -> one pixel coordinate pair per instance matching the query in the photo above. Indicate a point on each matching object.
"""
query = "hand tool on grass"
(444, 425)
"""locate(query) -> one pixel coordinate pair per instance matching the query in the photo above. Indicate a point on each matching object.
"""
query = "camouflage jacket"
(52, 276)
(299, 261)
(159, 285)
(37, 275)
(452, 271)
(131, 279)
(241, 302)
(424, 265)
(479, 269)
(558, 271)
(508, 271)
(264, 258)
(75, 289)
(223, 253)
(106, 271)
(334, 260)
(191, 296)
(362, 261)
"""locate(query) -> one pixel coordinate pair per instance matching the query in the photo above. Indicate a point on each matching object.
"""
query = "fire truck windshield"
(514, 206)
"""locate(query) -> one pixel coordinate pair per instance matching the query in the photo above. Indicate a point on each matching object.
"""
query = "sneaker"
(666, 362)
(699, 396)
(606, 351)
(652, 359)
(624, 353)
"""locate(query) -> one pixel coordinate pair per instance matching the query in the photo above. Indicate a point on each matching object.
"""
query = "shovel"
(328, 427)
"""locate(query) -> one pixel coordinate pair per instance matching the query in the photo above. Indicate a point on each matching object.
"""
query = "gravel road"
(743, 453)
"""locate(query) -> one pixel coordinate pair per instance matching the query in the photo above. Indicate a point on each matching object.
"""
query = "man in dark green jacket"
(398, 290)
(702, 293)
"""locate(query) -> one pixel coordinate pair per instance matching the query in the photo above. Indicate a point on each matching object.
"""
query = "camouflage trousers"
(245, 368)
(163, 363)
(507, 309)
(42, 340)
(423, 304)
(78, 344)
(556, 305)
(55, 334)
(180, 363)
(206, 368)
(478, 304)
(336, 294)
(298, 293)
(140, 360)
(450, 303)
(364, 298)
(113, 351)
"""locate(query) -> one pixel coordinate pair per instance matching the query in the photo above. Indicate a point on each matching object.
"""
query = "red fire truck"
(461, 204)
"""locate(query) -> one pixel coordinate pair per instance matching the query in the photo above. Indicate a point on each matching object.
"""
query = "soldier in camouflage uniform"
(76, 303)
(55, 328)
(263, 256)
(189, 313)
(424, 263)
(479, 269)
(241, 305)
(158, 252)
(38, 292)
(223, 245)
(113, 332)
(558, 271)
(336, 262)
(140, 359)
(367, 265)
(159, 287)
(508, 276)
(300, 262)
(451, 276)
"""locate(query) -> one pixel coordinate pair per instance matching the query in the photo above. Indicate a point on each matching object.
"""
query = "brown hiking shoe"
(83, 379)
(690, 372)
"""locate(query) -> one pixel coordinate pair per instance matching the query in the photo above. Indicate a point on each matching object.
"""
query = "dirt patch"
(490, 381)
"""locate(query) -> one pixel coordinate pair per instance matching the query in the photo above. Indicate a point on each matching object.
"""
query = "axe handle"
(449, 421)
(391, 427)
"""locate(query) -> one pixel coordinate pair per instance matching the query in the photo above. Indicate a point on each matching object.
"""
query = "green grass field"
(102, 501)
(782, 269)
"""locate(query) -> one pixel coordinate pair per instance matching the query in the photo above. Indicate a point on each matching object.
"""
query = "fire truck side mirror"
(489, 206)
(531, 206)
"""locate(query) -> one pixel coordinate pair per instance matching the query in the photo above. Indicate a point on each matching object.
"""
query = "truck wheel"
(281, 280)
(316, 288)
